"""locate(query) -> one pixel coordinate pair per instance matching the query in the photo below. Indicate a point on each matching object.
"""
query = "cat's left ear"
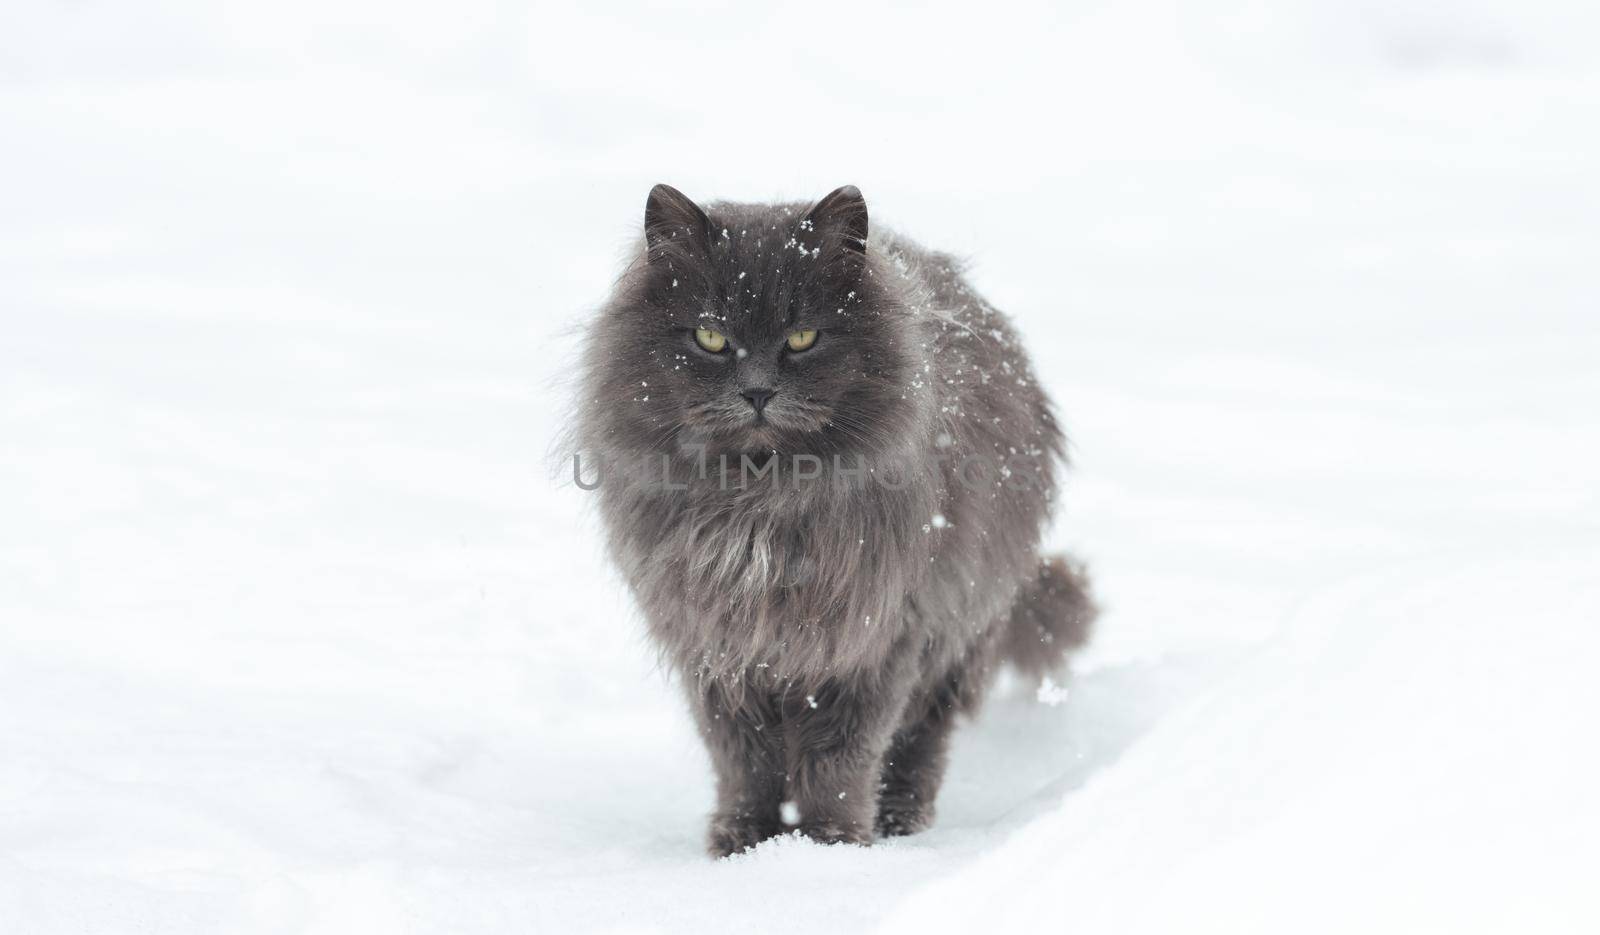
(672, 221)
(844, 209)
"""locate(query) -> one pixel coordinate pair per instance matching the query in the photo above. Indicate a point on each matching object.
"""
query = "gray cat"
(824, 465)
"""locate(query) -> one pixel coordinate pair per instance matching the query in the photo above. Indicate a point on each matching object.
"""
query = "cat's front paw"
(902, 819)
(835, 832)
(733, 834)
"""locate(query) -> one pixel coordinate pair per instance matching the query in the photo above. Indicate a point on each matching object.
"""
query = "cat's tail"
(1052, 616)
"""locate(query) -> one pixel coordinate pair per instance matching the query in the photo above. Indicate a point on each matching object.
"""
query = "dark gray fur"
(827, 630)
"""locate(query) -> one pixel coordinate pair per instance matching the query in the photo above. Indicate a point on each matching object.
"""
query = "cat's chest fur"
(779, 581)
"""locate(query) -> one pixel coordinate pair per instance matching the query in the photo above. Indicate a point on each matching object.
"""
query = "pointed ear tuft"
(844, 209)
(671, 219)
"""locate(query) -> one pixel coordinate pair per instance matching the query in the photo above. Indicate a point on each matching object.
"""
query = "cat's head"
(750, 328)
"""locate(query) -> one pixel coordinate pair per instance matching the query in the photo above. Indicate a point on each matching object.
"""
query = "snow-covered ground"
(302, 630)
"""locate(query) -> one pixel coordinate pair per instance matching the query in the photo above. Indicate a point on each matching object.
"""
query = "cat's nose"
(758, 397)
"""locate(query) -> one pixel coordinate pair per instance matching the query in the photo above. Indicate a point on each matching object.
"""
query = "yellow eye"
(712, 341)
(800, 340)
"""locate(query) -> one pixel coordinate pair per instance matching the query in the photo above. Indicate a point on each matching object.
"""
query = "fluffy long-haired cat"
(824, 465)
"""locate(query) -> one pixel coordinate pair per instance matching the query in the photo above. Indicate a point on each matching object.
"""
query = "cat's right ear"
(673, 224)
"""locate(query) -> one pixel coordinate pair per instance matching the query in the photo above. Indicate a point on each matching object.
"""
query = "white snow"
(1049, 693)
(303, 630)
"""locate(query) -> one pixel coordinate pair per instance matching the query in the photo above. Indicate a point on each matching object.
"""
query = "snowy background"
(301, 630)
